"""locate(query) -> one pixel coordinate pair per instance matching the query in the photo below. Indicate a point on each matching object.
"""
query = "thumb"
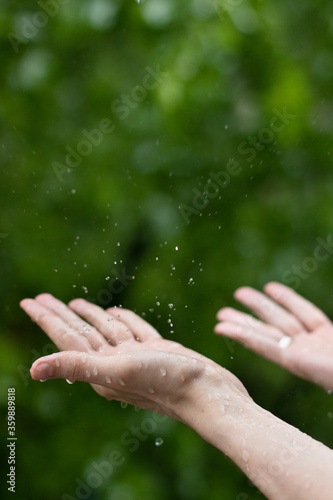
(94, 369)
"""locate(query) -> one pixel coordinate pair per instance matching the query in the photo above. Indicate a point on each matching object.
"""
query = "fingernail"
(43, 371)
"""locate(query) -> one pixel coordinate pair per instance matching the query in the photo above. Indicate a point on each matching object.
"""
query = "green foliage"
(222, 73)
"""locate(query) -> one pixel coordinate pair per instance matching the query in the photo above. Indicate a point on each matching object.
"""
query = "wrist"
(213, 400)
(274, 455)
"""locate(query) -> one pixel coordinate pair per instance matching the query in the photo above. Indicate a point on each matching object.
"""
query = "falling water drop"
(159, 442)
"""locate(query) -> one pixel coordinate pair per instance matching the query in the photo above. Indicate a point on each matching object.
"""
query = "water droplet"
(330, 392)
(222, 409)
(245, 455)
(121, 381)
(159, 442)
(87, 373)
(123, 404)
(108, 380)
(42, 380)
(151, 390)
(176, 248)
(69, 381)
(83, 358)
(284, 342)
(57, 363)
(163, 372)
(95, 371)
(171, 306)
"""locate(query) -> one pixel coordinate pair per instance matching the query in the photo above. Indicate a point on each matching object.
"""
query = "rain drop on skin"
(69, 381)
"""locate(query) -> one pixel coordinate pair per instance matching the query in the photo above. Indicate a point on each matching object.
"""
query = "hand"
(121, 356)
(284, 313)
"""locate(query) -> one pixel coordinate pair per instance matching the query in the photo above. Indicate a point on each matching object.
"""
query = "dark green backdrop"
(116, 119)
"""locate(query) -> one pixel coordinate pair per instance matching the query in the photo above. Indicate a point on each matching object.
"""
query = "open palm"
(118, 353)
(282, 313)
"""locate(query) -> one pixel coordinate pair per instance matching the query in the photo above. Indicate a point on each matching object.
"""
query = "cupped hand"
(120, 355)
(283, 313)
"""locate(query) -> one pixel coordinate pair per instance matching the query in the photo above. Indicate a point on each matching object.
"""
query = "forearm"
(284, 463)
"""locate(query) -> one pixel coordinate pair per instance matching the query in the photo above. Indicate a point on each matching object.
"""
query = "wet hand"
(119, 354)
(291, 331)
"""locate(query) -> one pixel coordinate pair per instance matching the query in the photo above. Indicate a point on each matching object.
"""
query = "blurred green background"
(179, 90)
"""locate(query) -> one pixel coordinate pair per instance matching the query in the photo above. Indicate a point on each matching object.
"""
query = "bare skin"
(283, 312)
(124, 358)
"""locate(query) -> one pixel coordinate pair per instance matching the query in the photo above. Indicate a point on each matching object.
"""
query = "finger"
(112, 330)
(229, 314)
(269, 311)
(257, 342)
(304, 310)
(140, 329)
(96, 340)
(118, 374)
(60, 332)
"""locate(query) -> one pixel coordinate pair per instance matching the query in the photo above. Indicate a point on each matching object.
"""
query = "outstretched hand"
(309, 351)
(120, 355)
